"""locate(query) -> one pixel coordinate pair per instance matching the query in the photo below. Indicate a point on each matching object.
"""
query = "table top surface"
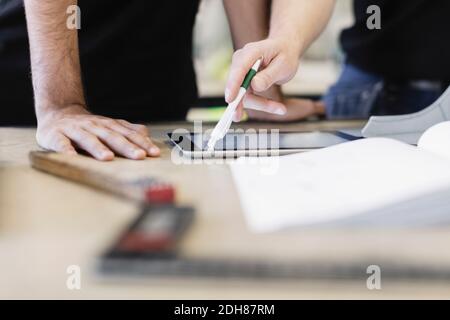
(48, 224)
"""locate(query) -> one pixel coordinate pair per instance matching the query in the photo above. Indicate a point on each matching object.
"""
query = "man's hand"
(294, 25)
(64, 123)
(296, 109)
(280, 64)
(68, 128)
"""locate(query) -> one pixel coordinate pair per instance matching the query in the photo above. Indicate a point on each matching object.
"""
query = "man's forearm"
(301, 20)
(249, 20)
(55, 58)
(293, 26)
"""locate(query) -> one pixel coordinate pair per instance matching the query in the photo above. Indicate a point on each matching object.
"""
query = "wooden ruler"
(146, 190)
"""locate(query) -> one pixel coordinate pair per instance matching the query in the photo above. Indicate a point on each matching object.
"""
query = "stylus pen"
(224, 124)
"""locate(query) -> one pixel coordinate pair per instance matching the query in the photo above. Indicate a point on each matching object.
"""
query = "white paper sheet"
(335, 183)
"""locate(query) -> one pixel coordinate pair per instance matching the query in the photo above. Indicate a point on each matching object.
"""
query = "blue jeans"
(359, 94)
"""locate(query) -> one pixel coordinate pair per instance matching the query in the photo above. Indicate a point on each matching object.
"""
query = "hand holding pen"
(224, 124)
(279, 65)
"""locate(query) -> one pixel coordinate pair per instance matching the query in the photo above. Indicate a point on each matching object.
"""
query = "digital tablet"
(193, 145)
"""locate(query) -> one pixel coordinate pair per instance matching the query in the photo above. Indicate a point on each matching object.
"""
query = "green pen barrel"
(248, 79)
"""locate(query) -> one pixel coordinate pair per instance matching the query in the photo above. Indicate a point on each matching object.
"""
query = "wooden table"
(48, 224)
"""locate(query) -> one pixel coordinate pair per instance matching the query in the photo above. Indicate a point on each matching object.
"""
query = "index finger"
(243, 61)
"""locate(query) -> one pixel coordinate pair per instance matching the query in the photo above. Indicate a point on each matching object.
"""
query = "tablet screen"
(260, 141)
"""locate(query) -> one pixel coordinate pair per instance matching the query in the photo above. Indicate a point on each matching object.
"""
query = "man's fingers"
(297, 109)
(239, 113)
(259, 103)
(60, 143)
(135, 137)
(274, 73)
(243, 60)
(89, 142)
(99, 136)
(303, 108)
(117, 142)
(139, 128)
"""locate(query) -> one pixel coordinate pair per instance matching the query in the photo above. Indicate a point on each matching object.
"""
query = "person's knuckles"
(142, 130)
(117, 141)
(127, 124)
(104, 122)
(107, 135)
(70, 126)
(112, 135)
(261, 82)
(98, 150)
(57, 145)
(113, 125)
(62, 143)
(128, 148)
(73, 129)
(251, 46)
(237, 56)
(110, 122)
(133, 136)
(66, 148)
(143, 142)
(139, 128)
(118, 128)
(242, 58)
(88, 122)
(257, 49)
(287, 68)
(237, 73)
(124, 122)
(69, 150)
(91, 144)
(85, 138)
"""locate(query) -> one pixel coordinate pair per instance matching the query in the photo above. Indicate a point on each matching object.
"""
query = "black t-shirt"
(413, 42)
(136, 58)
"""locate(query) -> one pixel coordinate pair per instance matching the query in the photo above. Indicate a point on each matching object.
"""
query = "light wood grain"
(48, 223)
